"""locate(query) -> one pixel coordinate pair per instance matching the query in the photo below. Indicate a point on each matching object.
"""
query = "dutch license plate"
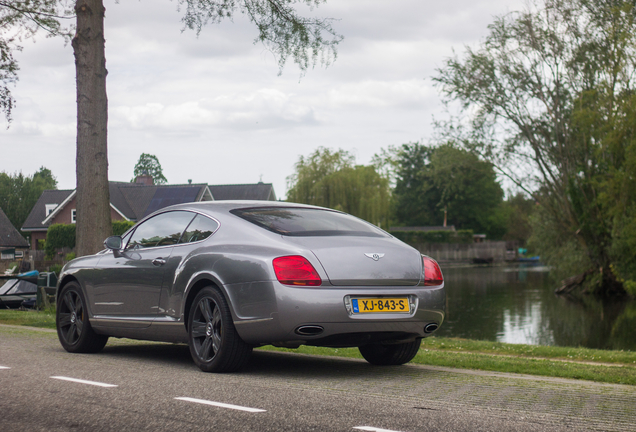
(382, 305)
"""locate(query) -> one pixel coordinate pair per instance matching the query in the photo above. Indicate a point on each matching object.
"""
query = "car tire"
(214, 343)
(394, 354)
(71, 320)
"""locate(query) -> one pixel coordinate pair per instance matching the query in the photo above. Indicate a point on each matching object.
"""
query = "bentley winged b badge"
(375, 256)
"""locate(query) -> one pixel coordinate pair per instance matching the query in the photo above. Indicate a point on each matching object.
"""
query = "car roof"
(213, 208)
(238, 204)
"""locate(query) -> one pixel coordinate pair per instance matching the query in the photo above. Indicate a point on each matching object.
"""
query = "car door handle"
(158, 261)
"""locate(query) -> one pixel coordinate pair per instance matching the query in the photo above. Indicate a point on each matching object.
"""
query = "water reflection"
(516, 304)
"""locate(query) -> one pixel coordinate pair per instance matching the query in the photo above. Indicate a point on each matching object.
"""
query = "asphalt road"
(146, 386)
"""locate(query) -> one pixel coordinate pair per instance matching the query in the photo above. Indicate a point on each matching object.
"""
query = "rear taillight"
(296, 270)
(432, 272)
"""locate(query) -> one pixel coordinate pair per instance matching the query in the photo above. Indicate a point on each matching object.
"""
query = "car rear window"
(307, 222)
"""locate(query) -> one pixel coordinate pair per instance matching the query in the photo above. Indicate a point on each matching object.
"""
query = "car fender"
(200, 280)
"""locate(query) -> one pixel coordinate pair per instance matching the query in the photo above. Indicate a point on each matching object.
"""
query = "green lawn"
(617, 367)
(31, 318)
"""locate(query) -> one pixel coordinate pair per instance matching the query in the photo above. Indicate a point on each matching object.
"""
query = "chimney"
(145, 179)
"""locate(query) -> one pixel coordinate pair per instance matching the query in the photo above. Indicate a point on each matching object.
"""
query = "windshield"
(307, 222)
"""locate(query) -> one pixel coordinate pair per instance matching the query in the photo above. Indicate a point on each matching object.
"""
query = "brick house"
(128, 201)
(134, 201)
(12, 244)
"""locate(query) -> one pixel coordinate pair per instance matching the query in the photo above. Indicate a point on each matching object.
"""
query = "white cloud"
(263, 109)
(218, 99)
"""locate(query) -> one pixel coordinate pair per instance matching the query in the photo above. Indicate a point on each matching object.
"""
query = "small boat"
(17, 289)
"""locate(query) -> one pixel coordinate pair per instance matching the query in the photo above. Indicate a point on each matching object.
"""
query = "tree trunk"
(93, 200)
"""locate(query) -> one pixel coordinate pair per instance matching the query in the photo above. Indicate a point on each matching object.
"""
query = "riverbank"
(617, 367)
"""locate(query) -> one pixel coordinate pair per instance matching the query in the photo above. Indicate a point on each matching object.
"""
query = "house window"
(49, 208)
(73, 215)
(7, 254)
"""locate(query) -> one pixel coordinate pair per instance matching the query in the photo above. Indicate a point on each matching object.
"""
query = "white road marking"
(95, 383)
(373, 429)
(221, 405)
(5, 367)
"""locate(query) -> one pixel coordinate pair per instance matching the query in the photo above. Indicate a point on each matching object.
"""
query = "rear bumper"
(270, 313)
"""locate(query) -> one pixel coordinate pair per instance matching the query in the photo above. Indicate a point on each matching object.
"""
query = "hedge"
(59, 236)
(63, 235)
(121, 226)
(414, 237)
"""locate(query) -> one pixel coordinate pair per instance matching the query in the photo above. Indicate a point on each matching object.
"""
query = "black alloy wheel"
(394, 354)
(215, 345)
(73, 328)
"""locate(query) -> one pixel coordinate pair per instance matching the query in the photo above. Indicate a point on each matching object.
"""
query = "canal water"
(517, 304)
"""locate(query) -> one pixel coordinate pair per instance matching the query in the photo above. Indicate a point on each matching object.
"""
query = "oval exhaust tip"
(430, 328)
(309, 330)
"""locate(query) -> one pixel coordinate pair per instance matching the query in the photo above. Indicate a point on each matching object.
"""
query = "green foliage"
(69, 256)
(19, 193)
(562, 252)
(121, 226)
(330, 179)
(518, 210)
(59, 236)
(56, 268)
(431, 180)
(149, 164)
(280, 28)
(63, 236)
(415, 237)
(19, 20)
(549, 101)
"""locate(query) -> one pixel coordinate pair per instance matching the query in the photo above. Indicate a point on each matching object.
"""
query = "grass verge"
(31, 318)
(499, 359)
(618, 367)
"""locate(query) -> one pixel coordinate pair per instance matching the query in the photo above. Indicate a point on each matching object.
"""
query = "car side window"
(162, 230)
(199, 229)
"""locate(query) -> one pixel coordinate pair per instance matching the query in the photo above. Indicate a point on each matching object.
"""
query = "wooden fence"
(497, 251)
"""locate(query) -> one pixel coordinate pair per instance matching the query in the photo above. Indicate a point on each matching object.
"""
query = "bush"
(63, 236)
(56, 268)
(121, 226)
(69, 256)
(60, 236)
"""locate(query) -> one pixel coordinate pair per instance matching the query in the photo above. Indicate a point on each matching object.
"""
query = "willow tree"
(331, 179)
(548, 98)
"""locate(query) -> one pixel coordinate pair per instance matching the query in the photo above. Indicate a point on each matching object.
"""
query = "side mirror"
(113, 243)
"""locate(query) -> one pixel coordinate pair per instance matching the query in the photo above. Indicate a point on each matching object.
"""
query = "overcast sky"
(214, 110)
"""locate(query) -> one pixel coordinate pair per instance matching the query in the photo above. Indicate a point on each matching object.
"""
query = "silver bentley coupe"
(227, 276)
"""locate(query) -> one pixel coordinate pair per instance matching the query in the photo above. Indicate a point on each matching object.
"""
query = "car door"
(128, 286)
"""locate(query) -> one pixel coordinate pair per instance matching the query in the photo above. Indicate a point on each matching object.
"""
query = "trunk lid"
(371, 261)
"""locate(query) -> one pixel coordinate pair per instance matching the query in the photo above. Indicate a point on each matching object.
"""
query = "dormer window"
(49, 209)
(73, 215)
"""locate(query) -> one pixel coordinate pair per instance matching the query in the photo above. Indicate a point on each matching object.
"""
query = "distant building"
(12, 244)
(134, 201)
(128, 201)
